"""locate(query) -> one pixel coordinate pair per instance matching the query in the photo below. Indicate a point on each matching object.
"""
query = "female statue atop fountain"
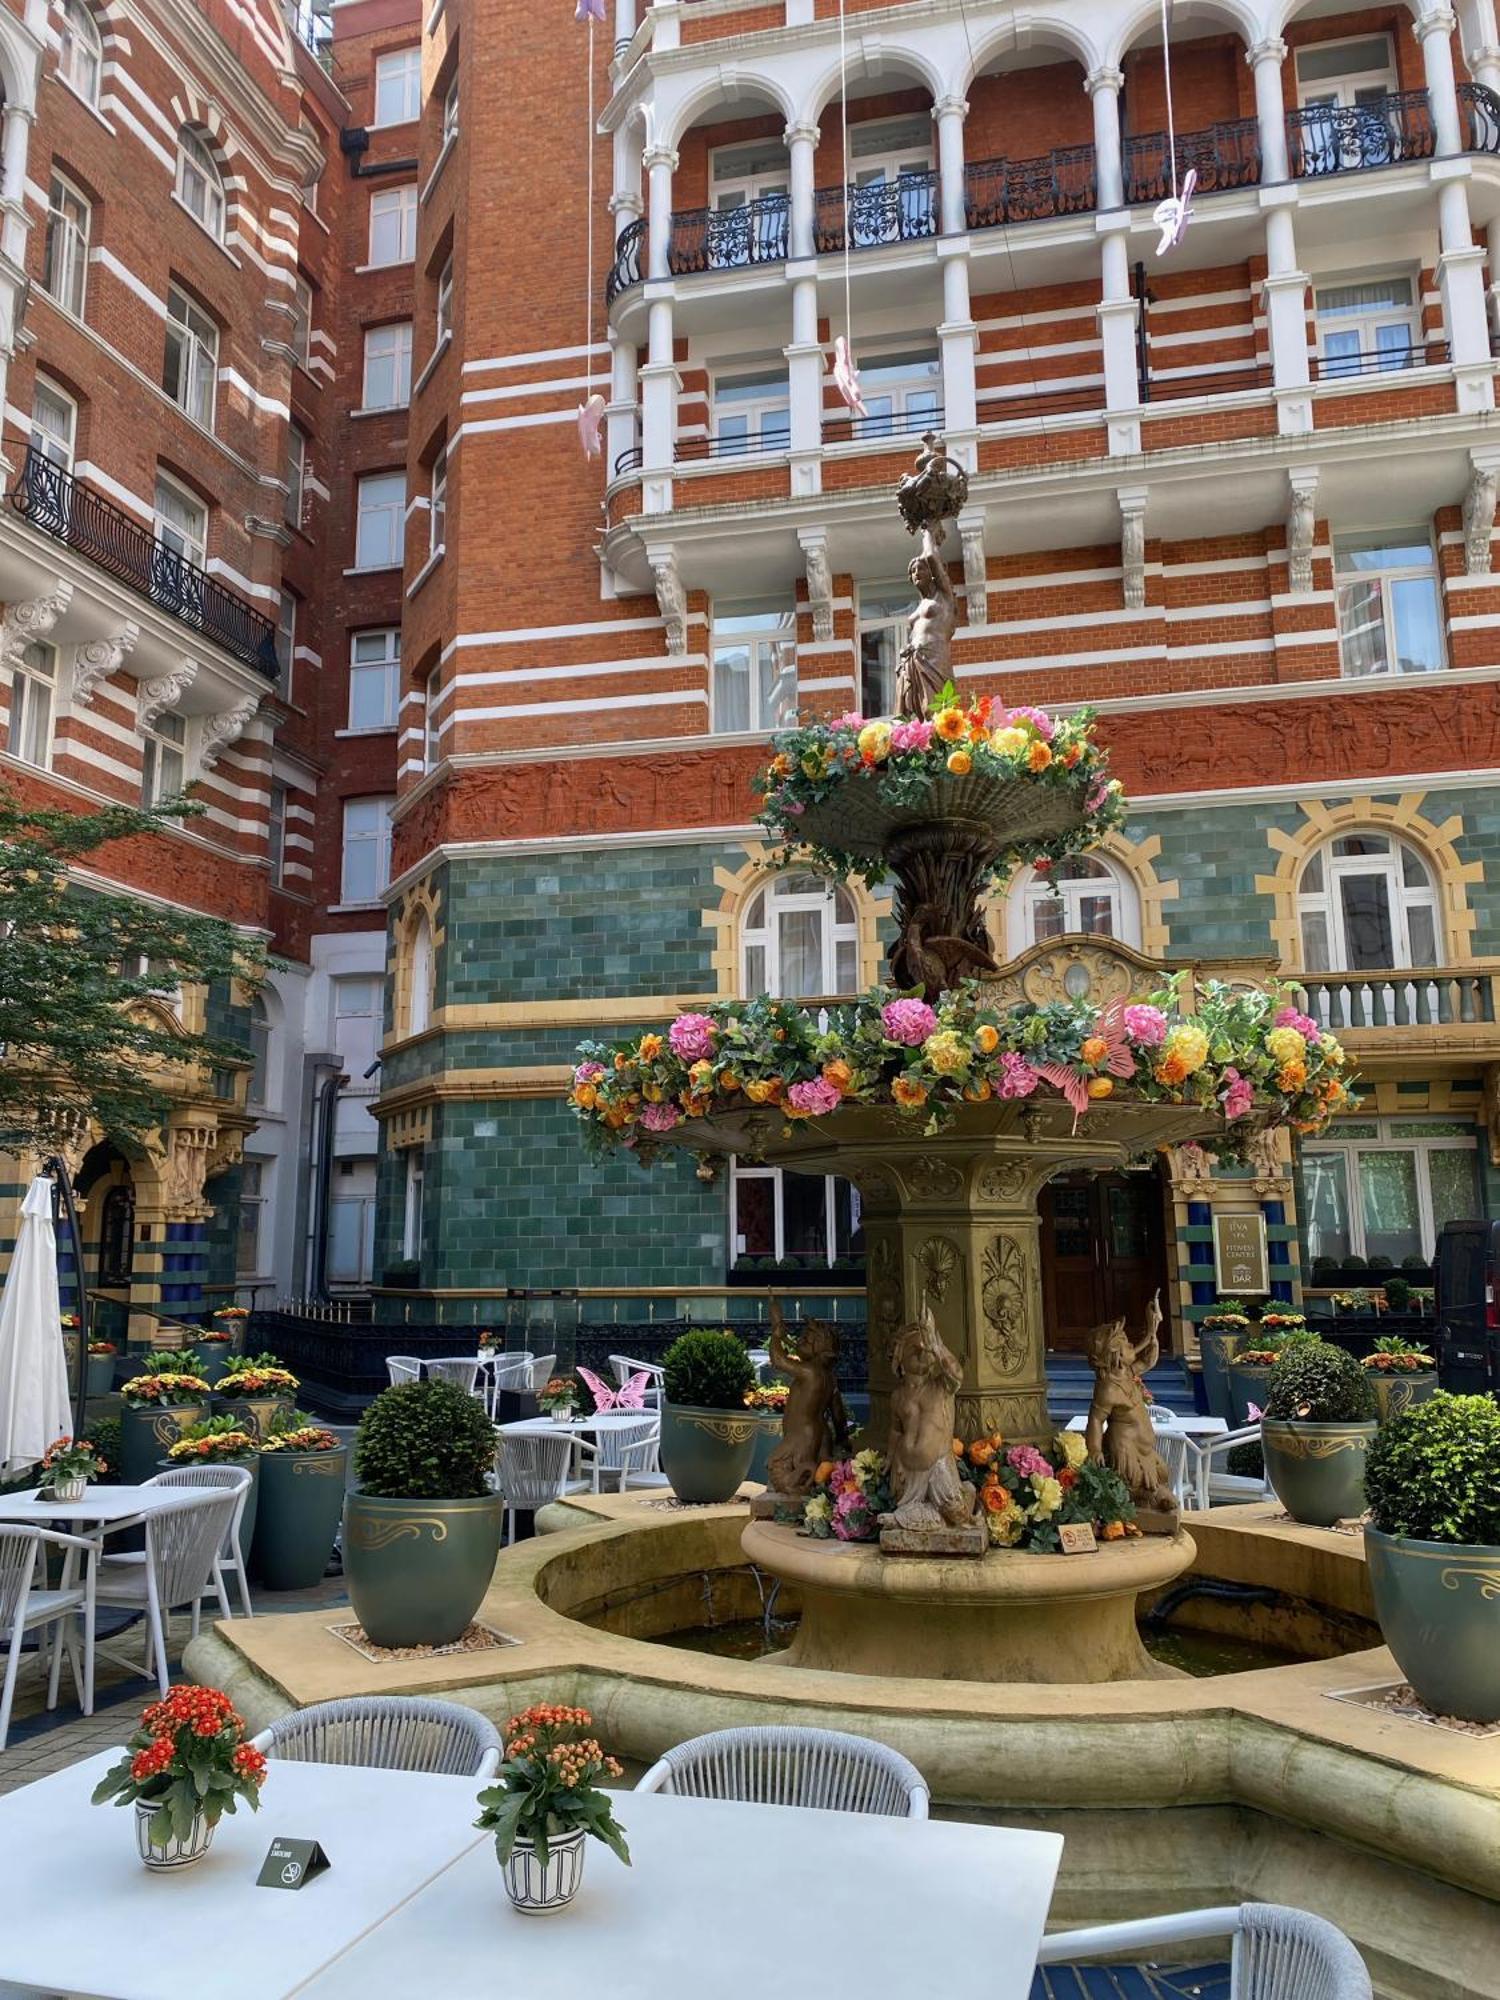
(929, 1492)
(928, 496)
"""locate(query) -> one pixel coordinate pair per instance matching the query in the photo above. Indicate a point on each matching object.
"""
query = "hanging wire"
(591, 410)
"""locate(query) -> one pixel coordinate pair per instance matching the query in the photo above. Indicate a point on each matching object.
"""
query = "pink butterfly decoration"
(1173, 215)
(591, 413)
(589, 10)
(631, 1397)
(1073, 1081)
(846, 377)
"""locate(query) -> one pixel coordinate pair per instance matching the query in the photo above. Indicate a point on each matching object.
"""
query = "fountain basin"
(1008, 1616)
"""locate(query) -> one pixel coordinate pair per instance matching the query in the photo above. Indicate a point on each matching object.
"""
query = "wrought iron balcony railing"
(727, 239)
(629, 253)
(1226, 155)
(1403, 997)
(1383, 361)
(762, 444)
(1479, 116)
(881, 212)
(882, 424)
(1327, 139)
(1057, 183)
(84, 521)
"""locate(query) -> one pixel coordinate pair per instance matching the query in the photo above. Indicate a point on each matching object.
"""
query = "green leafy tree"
(74, 956)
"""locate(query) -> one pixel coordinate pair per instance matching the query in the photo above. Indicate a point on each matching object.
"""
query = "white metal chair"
(403, 1368)
(760, 1360)
(24, 1608)
(1184, 1463)
(1217, 1483)
(617, 1450)
(181, 1565)
(460, 1370)
(1278, 1953)
(228, 1479)
(624, 1366)
(398, 1732)
(793, 1767)
(531, 1471)
(1162, 1418)
(542, 1366)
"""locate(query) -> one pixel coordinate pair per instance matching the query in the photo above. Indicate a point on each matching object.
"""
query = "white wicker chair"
(403, 1368)
(505, 1371)
(793, 1767)
(460, 1370)
(1228, 1487)
(181, 1566)
(1184, 1463)
(617, 1450)
(531, 1471)
(228, 1479)
(542, 1367)
(1278, 1954)
(388, 1733)
(24, 1608)
(625, 1366)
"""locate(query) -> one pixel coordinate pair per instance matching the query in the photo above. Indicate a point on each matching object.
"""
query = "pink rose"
(794, 806)
(1305, 1025)
(1017, 1077)
(1097, 795)
(1146, 1025)
(660, 1117)
(849, 721)
(1238, 1097)
(911, 736)
(692, 1037)
(907, 1021)
(815, 1097)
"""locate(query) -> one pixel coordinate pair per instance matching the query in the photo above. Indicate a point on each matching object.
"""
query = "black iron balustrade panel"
(1062, 182)
(690, 449)
(1226, 155)
(729, 239)
(629, 461)
(880, 213)
(1479, 114)
(56, 503)
(630, 257)
(1382, 361)
(1325, 139)
(889, 423)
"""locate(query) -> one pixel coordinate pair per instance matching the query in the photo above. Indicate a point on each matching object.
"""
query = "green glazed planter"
(1395, 1393)
(258, 1414)
(418, 1569)
(1218, 1349)
(301, 1500)
(767, 1438)
(1439, 1609)
(214, 1359)
(706, 1453)
(246, 1536)
(101, 1374)
(146, 1433)
(1317, 1471)
(1247, 1385)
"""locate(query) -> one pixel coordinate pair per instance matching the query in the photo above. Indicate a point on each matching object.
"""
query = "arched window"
(1085, 893)
(200, 188)
(419, 1005)
(258, 1089)
(798, 938)
(117, 1236)
(80, 60)
(1367, 901)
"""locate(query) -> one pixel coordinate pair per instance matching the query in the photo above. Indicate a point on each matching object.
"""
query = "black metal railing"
(1327, 139)
(1223, 156)
(1039, 401)
(630, 252)
(1383, 361)
(882, 212)
(729, 239)
(1233, 381)
(1061, 182)
(850, 429)
(689, 449)
(1479, 116)
(84, 521)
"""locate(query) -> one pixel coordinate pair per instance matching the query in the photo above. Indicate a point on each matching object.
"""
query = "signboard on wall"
(1240, 1261)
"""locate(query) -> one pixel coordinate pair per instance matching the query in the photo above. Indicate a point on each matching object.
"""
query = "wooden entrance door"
(1102, 1252)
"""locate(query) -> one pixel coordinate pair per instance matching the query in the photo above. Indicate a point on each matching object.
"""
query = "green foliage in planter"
(424, 1441)
(1415, 1263)
(707, 1370)
(1355, 1263)
(1397, 1294)
(1433, 1472)
(1325, 1263)
(1380, 1263)
(1315, 1382)
(1245, 1461)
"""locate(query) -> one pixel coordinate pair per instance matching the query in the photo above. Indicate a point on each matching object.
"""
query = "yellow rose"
(1286, 1045)
(986, 1039)
(759, 1089)
(875, 741)
(946, 1052)
(1072, 1447)
(1190, 1047)
(1008, 741)
(1006, 1528)
(1049, 1495)
(960, 763)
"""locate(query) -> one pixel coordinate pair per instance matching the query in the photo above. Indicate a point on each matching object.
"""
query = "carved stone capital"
(155, 697)
(1105, 77)
(814, 543)
(671, 598)
(659, 156)
(1132, 503)
(950, 107)
(28, 623)
(806, 135)
(1479, 518)
(1272, 50)
(94, 662)
(219, 731)
(1301, 526)
(1436, 21)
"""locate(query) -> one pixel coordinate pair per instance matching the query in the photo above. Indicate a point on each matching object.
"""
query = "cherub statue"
(924, 1475)
(927, 657)
(814, 1424)
(1118, 1432)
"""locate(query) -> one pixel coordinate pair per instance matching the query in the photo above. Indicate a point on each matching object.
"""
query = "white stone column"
(620, 411)
(1285, 297)
(1433, 31)
(804, 368)
(801, 146)
(1104, 86)
(1483, 58)
(958, 340)
(1118, 324)
(659, 386)
(948, 115)
(1461, 282)
(1266, 60)
(13, 151)
(624, 24)
(660, 163)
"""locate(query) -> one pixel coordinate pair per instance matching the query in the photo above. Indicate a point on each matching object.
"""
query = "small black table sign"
(290, 1863)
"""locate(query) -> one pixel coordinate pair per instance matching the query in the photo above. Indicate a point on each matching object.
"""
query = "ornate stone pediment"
(1095, 969)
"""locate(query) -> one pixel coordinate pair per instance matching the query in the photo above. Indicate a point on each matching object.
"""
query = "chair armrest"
(1101, 1940)
(488, 1764)
(657, 1778)
(58, 1539)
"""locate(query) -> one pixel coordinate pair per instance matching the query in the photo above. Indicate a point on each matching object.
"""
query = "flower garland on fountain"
(1242, 1052)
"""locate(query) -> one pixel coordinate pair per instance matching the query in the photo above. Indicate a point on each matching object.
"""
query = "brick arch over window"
(1436, 844)
(739, 886)
(420, 906)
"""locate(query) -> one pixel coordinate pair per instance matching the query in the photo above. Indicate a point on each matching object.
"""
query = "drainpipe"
(354, 142)
(1144, 297)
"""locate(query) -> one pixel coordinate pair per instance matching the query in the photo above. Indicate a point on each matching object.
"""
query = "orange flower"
(1171, 1069)
(1113, 1531)
(958, 1447)
(910, 1095)
(760, 1089)
(1071, 755)
(981, 1452)
(978, 1093)
(585, 1096)
(650, 1048)
(1039, 756)
(951, 724)
(1100, 1086)
(1293, 1077)
(729, 1082)
(960, 763)
(622, 1061)
(1094, 1050)
(824, 1472)
(995, 1498)
(986, 1039)
(838, 1073)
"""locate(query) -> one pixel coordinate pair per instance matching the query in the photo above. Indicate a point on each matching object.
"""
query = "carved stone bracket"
(219, 731)
(94, 662)
(671, 598)
(1479, 514)
(227, 1150)
(155, 697)
(1132, 502)
(1191, 1165)
(976, 572)
(1301, 524)
(26, 624)
(185, 1166)
(814, 543)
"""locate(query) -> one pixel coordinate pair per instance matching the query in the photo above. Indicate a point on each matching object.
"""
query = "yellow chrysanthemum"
(1006, 742)
(1286, 1045)
(1189, 1046)
(946, 1052)
(1072, 1447)
(875, 741)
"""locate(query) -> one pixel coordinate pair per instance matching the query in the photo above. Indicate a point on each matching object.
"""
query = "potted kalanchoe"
(766, 1402)
(101, 1366)
(1401, 1373)
(707, 1434)
(546, 1802)
(185, 1767)
(302, 1468)
(1318, 1422)
(257, 1390)
(1221, 1334)
(67, 1467)
(158, 1404)
(559, 1397)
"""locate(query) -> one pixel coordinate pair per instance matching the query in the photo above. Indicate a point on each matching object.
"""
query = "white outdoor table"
(81, 1915)
(1193, 1427)
(102, 1507)
(876, 1905)
(605, 1421)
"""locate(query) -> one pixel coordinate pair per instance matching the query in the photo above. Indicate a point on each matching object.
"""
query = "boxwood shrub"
(1433, 1472)
(1315, 1382)
(424, 1441)
(707, 1369)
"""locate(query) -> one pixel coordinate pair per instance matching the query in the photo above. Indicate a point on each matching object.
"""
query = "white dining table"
(868, 1904)
(1194, 1426)
(81, 1916)
(600, 1421)
(101, 1508)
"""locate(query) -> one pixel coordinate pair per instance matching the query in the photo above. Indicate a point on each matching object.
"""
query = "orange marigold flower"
(1171, 1069)
(950, 724)
(909, 1094)
(838, 1073)
(1071, 755)
(1094, 1051)
(649, 1048)
(1039, 756)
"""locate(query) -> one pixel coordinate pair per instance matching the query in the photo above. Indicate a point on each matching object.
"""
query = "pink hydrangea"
(588, 1072)
(692, 1037)
(794, 806)
(911, 735)
(849, 721)
(1237, 1097)
(1039, 719)
(1305, 1025)
(907, 1021)
(660, 1117)
(1017, 1077)
(1146, 1025)
(815, 1097)
(1027, 1460)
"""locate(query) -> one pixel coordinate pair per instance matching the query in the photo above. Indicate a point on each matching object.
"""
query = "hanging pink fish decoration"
(590, 417)
(590, 10)
(846, 377)
(1173, 215)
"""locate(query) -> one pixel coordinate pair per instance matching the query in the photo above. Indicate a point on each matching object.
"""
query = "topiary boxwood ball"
(707, 1370)
(1315, 1382)
(424, 1441)
(1434, 1472)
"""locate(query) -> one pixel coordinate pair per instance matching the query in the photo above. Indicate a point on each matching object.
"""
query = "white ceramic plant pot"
(537, 1887)
(176, 1853)
(564, 1415)
(69, 1489)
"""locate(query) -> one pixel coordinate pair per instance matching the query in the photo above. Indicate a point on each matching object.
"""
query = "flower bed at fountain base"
(1008, 1617)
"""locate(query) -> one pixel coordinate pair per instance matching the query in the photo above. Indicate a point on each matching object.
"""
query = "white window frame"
(1355, 87)
(164, 750)
(884, 614)
(259, 1091)
(302, 319)
(393, 209)
(430, 733)
(252, 1206)
(443, 321)
(363, 1208)
(1394, 1135)
(751, 396)
(80, 56)
(56, 446)
(412, 1204)
(768, 633)
(296, 474)
(286, 637)
(437, 504)
(419, 994)
(1367, 325)
(890, 152)
(190, 366)
(1402, 898)
(902, 392)
(200, 184)
(1346, 580)
(740, 1175)
(192, 546)
(450, 111)
(387, 350)
(391, 510)
(276, 803)
(797, 891)
(400, 70)
(65, 258)
(1029, 893)
(356, 837)
(384, 665)
(734, 186)
(34, 689)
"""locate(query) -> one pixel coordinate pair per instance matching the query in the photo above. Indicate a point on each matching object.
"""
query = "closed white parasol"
(34, 1402)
